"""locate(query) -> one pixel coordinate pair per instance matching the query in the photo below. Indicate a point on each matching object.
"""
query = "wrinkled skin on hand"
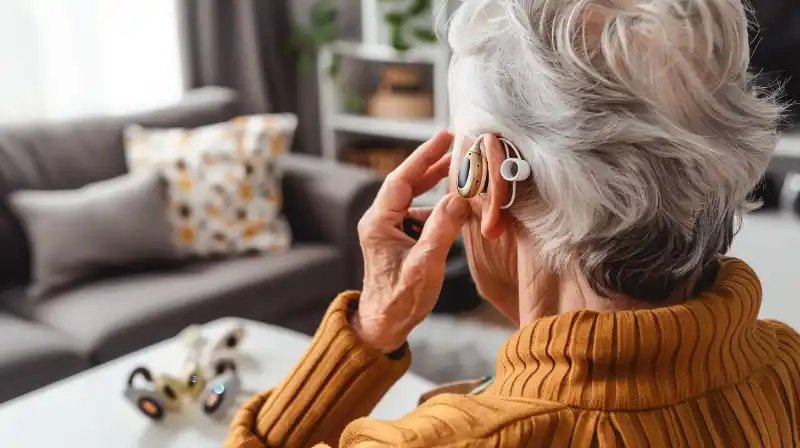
(403, 277)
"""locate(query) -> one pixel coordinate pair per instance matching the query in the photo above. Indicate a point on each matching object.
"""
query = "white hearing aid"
(513, 169)
(473, 174)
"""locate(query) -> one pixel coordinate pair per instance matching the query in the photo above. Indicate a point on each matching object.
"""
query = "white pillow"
(224, 183)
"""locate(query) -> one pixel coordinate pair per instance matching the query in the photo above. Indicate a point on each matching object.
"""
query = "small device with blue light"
(212, 379)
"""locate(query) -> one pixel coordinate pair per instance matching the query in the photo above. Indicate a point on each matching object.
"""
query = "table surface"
(770, 244)
(88, 410)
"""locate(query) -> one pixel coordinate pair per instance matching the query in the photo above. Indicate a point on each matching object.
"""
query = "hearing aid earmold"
(473, 173)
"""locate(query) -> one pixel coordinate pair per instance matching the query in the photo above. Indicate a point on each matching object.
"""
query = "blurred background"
(272, 123)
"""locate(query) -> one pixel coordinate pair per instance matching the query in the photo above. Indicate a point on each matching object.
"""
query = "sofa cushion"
(33, 355)
(63, 156)
(114, 316)
(223, 182)
(76, 233)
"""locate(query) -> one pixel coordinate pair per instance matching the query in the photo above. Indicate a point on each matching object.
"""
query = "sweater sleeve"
(338, 379)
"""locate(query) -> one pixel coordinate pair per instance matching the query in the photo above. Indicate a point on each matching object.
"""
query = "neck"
(544, 293)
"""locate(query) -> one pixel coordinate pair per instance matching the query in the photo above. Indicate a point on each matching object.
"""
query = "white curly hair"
(643, 128)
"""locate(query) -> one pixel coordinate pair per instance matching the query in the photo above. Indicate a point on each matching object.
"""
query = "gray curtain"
(242, 44)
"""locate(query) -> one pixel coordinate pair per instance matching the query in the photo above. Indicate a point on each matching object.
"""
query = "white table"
(88, 410)
(770, 244)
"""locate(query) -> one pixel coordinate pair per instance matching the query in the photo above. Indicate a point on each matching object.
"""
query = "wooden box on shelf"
(381, 160)
(400, 95)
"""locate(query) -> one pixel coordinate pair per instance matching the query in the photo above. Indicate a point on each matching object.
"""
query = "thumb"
(442, 227)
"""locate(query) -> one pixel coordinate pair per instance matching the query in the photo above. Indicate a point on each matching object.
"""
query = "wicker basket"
(400, 95)
(381, 160)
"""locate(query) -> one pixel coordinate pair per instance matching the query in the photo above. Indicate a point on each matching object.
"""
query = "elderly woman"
(643, 135)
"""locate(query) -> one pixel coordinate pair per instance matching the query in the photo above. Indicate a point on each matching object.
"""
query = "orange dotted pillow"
(224, 194)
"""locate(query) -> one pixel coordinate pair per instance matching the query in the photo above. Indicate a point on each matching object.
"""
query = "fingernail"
(457, 207)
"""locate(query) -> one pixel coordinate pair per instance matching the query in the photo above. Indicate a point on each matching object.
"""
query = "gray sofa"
(107, 317)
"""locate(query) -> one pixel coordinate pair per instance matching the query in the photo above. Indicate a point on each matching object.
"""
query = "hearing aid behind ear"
(473, 174)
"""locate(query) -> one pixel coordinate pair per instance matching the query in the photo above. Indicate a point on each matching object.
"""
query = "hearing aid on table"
(230, 341)
(221, 391)
(473, 173)
(169, 388)
(146, 397)
(194, 381)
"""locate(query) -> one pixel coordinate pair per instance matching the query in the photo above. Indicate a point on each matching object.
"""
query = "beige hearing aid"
(194, 380)
(473, 174)
(169, 389)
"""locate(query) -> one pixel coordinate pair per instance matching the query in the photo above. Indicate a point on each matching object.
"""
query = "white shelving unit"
(338, 127)
(333, 118)
(386, 127)
(336, 122)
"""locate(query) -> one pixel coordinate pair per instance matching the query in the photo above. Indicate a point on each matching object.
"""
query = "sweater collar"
(639, 359)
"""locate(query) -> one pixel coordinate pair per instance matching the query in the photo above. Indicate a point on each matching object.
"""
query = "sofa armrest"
(323, 202)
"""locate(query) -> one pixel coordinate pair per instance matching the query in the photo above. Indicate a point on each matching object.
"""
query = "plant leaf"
(324, 35)
(298, 39)
(329, 16)
(394, 18)
(398, 42)
(418, 7)
(425, 35)
(305, 64)
(353, 102)
(321, 12)
(336, 65)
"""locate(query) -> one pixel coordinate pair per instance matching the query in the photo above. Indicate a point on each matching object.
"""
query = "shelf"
(428, 54)
(387, 127)
(788, 145)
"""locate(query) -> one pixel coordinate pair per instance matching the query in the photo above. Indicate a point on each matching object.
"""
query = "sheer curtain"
(63, 59)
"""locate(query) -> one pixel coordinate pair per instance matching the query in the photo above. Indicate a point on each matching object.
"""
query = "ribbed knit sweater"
(703, 373)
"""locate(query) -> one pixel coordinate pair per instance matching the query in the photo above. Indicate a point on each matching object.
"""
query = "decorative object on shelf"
(404, 23)
(381, 160)
(399, 23)
(413, 117)
(401, 95)
(323, 30)
(211, 376)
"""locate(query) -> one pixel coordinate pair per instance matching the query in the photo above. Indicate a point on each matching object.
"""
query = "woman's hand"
(403, 278)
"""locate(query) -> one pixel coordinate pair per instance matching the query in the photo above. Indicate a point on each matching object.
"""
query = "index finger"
(398, 188)
(430, 152)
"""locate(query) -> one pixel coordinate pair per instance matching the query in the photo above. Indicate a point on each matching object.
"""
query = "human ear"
(493, 221)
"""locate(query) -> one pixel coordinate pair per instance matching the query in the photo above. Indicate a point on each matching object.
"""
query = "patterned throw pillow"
(224, 193)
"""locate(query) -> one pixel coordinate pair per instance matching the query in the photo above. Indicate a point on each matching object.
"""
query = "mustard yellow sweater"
(704, 373)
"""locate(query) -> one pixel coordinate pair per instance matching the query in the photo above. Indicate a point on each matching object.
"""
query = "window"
(64, 59)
